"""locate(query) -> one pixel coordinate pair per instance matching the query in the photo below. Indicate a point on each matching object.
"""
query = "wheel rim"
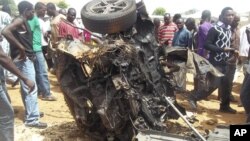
(109, 6)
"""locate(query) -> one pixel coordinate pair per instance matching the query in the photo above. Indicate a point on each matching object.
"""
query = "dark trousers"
(245, 95)
(47, 57)
(224, 85)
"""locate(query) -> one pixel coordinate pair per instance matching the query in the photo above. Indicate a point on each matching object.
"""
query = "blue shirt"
(182, 38)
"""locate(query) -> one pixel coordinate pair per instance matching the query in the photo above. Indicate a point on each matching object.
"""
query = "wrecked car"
(117, 90)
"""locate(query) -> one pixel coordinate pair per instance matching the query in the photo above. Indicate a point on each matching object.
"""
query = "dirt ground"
(62, 126)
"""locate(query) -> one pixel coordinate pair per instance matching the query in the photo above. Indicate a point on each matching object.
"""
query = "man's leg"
(47, 57)
(42, 75)
(225, 89)
(245, 95)
(29, 98)
(6, 116)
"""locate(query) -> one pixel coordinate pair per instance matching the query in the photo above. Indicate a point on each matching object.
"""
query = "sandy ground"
(62, 126)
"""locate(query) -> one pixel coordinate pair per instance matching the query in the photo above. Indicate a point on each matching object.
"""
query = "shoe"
(228, 110)
(232, 99)
(193, 103)
(49, 98)
(41, 114)
(39, 125)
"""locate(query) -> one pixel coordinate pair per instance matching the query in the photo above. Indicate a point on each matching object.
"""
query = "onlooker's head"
(40, 9)
(206, 15)
(167, 18)
(6, 9)
(51, 9)
(71, 15)
(25, 8)
(176, 16)
(227, 15)
(190, 24)
(236, 21)
(157, 22)
(180, 23)
(63, 11)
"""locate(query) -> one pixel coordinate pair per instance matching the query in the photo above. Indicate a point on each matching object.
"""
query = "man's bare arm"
(7, 33)
(7, 63)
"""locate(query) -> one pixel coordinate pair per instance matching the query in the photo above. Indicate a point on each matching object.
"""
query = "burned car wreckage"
(118, 89)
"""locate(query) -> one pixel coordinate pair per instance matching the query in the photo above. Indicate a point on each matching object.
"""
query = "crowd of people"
(223, 43)
(28, 38)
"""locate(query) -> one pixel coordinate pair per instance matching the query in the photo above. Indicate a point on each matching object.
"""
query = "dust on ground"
(63, 128)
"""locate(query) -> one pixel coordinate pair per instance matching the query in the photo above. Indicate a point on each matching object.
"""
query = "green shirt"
(36, 31)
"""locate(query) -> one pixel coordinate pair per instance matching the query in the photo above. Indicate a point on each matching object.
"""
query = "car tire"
(97, 17)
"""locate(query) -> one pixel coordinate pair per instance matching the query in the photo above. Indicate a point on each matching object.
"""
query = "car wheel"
(109, 16)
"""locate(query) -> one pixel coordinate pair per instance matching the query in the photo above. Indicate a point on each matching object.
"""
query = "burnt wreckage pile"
(119, 88)
(116, 87)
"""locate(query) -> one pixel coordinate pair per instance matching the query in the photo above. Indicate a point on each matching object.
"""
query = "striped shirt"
(166, 33)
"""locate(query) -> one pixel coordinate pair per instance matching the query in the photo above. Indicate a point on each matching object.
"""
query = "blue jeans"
(6, 116)
(29, 98)
(42, 74)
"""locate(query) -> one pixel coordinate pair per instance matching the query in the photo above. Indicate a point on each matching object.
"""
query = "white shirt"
(244, 45)
(5, 19)
(45, 26)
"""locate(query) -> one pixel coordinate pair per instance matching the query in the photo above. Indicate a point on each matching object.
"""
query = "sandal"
(49, 98)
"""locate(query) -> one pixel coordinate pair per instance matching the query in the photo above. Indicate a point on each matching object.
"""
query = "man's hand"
(22, 55)
(226, 49)
(30, 84)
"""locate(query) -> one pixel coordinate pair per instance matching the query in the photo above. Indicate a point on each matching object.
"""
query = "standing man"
(182, 37)
(191, 26)
(54, 24)
(243, 51)
(245, 89)
(166, 31)
(200, 82)
(19, 35)
(67, 27)
(202, 33)
(40, 66)
(233, 58)
(218, 42)
(6, 110)
(5, 19)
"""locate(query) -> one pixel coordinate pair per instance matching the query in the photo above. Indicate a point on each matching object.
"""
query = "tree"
(191, 11)
(11, 4)
(62, 4)
(159, 11)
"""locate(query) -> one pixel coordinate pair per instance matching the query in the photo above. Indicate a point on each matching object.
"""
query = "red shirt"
(68, 29)
(166, 32)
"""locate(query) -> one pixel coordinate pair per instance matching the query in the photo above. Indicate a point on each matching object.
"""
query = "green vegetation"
(62, 4)
(159, 11)
(12, 5)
